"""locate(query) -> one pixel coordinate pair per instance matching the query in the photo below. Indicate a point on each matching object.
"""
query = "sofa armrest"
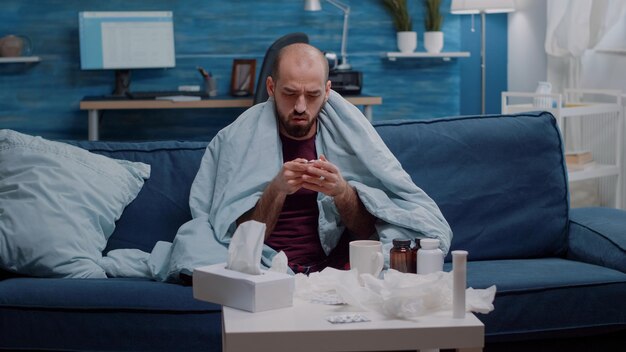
(598, 236)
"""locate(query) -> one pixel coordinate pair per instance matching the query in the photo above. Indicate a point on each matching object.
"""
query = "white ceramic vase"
(433, 41)
(407, 41)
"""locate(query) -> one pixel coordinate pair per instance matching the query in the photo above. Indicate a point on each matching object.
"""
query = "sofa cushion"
(597, 236)
(103, 294)
(110, 314)
(59, 204)
(500, 181)
(549, 297)
(162, 206)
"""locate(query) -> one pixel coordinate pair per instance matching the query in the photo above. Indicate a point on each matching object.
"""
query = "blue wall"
(44, 98)
(496, 63)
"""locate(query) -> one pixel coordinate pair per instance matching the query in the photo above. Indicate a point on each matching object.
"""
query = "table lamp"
(314, 5)
(482, 7)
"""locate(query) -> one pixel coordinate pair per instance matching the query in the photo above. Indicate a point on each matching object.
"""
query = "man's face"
(299, 94)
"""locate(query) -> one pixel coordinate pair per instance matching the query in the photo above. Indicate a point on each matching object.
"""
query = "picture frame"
(242, 77)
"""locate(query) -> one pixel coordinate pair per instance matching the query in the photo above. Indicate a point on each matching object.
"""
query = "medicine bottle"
(400, 255)
(429, 256)
(414, 256)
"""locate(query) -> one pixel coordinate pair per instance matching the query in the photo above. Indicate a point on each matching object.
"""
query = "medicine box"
(253, 293)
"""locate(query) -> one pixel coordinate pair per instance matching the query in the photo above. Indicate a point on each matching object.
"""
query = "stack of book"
(578, 160)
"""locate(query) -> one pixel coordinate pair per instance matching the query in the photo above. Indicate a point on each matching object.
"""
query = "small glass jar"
(414, 256)
(400, 256)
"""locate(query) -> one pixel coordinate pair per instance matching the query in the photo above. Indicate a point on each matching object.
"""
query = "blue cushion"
(107, 314)
(500, 181)
(59, 204)
(162, 206)
(598, 236)
(549, 296)
(104, 294)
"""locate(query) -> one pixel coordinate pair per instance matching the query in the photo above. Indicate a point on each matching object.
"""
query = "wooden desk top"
(218, 102)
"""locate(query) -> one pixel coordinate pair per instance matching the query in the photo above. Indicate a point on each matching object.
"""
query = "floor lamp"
(482, 7)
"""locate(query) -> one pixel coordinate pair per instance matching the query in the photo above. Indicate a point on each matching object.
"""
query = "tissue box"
(254, 293)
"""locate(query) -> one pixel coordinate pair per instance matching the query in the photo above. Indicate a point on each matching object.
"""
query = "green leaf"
(432, 15)
(399, 12)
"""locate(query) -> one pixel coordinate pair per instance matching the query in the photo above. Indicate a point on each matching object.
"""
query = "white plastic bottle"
(543, 101)
(429, 256)
(459, 283)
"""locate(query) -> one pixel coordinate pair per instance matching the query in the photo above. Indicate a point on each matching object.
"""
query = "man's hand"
(319, 176)
(268, 208)
(322, 176)
(289, 179)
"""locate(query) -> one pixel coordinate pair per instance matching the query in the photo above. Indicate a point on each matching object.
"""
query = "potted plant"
(433, 36)
(406, 37)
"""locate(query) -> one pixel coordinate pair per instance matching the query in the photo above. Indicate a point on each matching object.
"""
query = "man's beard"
(295, 131)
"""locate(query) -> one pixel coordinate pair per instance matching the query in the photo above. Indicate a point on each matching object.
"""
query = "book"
(580, 167)
(578, 157)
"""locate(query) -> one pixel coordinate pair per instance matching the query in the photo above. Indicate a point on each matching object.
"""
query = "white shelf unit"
(588, 120)
(619, 51)
(446, 56)
(21, 59)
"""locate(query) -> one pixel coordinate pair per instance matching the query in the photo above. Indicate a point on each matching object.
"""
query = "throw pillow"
(59, 204)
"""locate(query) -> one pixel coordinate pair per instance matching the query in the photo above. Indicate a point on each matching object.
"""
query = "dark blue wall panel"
(44, 98)
(496, 63)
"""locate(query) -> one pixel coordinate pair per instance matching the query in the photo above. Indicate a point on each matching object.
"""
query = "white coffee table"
(304, 327)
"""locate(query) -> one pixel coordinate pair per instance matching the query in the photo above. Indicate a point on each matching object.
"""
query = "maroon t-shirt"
(296, 231)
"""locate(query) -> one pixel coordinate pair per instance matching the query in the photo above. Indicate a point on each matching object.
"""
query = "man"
(300, 87)
(311, 167)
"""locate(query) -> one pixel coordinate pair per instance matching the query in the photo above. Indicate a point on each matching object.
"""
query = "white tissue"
(397, 295)
(280, 263)
(480, 301)
(245, 248)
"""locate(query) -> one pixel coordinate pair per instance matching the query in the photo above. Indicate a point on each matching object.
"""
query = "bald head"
(299, 85)
(300, 55)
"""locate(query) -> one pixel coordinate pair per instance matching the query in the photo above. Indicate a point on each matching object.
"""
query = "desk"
(304, 327)
(94, 105)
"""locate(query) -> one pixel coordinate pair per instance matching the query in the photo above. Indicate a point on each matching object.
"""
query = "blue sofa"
(499, 180)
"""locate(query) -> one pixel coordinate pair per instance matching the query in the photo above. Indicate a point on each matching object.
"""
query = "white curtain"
(573, 27)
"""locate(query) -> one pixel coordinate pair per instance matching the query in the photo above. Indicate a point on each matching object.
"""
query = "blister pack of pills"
(347, 318)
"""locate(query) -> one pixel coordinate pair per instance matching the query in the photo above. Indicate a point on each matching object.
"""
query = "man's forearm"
(354, 214)
(266, 210)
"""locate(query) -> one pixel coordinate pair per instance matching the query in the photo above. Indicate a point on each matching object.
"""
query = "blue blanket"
(245, 156)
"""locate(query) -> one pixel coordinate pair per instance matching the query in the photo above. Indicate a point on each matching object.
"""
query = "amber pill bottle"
(400, 256)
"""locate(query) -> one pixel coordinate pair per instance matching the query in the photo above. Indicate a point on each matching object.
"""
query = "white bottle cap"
(459, 256)
(429, 243)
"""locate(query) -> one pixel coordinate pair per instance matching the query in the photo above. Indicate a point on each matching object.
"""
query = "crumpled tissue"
(398, 295)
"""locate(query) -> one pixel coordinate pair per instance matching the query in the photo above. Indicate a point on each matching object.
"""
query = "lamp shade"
(312, 5)
(468, 7)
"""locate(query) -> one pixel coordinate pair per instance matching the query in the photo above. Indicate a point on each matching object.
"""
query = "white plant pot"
(407, 41)
(433, 41)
